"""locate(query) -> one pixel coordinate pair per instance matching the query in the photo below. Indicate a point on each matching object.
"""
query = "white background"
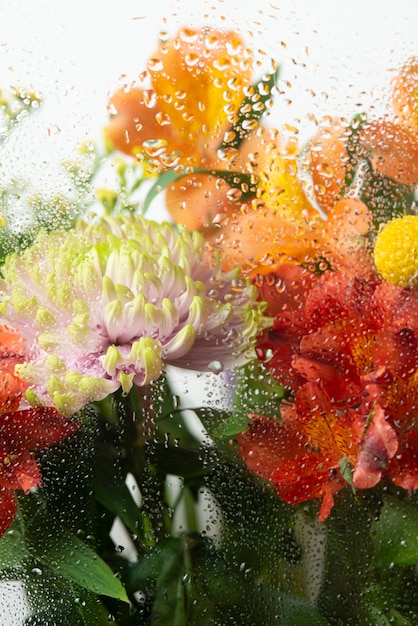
(338, 58)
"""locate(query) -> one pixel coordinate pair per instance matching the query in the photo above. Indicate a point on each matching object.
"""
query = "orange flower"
(274, 227)
(328, 162)
(307, 455)
(281, 225)
(259, 240)
(201, 201)
(342, 236)
(393, 150)
(405, 95)
(22, 432)
(198, 81)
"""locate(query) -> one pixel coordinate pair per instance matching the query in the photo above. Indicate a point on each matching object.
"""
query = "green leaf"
(51, 543)
(90, 608)
(71, 558)
(12, 549)
(111, 491)
(161, 183)
(346, 469)
(396, 533)
(179, 460)
(385, 197)
(233, 426)
(294, 610)
(256, 392)
(164, 569)
(252, 109)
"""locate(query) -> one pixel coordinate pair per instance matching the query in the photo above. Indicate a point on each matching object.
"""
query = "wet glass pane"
(209, 313)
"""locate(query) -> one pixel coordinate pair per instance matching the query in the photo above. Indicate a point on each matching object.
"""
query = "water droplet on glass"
(162, 119)
(150, 98)
(154, 147)
(216, 367)
(155, 65)
(164, 36)
(191, 59)
(222, 63)
(188, 35)
(249, 124)
(37, 571)
(234, 194)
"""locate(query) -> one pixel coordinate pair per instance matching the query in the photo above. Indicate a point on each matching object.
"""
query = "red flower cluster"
(347, 347)
(22, 431)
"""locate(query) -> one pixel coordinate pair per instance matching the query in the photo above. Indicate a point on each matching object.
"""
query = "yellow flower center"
(396, 251)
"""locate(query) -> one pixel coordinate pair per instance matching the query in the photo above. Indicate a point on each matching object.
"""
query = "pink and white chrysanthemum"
(105, 306)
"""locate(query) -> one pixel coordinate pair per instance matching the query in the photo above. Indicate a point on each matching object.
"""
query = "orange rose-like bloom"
(22, 432)
(198, 81)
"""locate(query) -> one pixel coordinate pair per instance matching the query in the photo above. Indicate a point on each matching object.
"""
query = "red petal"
(403, 468)
(28, 475)
(34, 429)
(7, 508)
(266, 444)
(378, 447)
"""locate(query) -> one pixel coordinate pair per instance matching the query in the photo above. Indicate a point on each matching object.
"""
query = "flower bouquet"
(282, 294)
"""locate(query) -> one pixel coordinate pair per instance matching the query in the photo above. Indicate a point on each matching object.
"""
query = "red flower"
(22, 432)
(349, 353)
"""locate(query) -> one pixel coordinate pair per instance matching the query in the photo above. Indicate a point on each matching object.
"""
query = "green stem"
(348, 558)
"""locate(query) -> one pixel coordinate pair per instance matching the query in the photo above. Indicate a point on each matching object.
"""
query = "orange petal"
(136, 119)
(258, 242)
(393, 150)
(200, 77)
(405, 94)
(328, 161)
(196, 201)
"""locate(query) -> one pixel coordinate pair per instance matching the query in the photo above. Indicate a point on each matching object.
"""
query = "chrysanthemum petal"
(122, 297)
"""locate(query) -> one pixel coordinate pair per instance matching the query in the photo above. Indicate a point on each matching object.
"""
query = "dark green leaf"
(69, 557)
(256, 392)
(294, 610)
(396, 537)
(233, 426)
(63, 553)
(111, 491)
(90, 608)
(252, 109)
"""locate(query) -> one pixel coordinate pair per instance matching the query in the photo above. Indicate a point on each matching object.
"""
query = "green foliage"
(385, 197)
(252, 109)
(256, 392)
(400, 547)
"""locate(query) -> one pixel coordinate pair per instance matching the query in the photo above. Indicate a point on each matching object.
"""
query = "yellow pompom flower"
(396, 251)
